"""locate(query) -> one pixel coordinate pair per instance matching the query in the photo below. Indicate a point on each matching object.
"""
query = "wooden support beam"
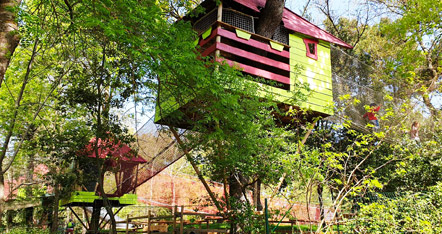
(182, 220)
(127, 224)
(149, 221)
(76, 216)
(175, 208)
(197, 171)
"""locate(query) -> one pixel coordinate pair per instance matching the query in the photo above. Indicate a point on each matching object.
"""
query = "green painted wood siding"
(316, 73)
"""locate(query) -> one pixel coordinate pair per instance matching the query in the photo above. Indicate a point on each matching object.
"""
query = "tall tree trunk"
(270, 17)
(2, 195)
(95, 218)
(321, 202)
(257, 195)
(9, 36)
(236, 193)
(54, 216)
(29, 178)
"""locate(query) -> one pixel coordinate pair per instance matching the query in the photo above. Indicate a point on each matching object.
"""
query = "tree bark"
(321, 202)
(257, 195)
(29, 219)
(270, 18)
(54, 216)
(9, 35)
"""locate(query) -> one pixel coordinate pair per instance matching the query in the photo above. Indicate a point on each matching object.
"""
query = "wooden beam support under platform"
(76, 216)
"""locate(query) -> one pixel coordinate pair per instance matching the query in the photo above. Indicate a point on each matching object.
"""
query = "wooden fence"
(175, 223)
(160, 224)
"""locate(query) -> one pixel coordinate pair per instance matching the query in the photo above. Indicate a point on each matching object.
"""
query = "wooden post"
(174, 219)
(148, 222)
(267, 217)
(197, 171)
(127, 224)
(219, 18)
(182, 220)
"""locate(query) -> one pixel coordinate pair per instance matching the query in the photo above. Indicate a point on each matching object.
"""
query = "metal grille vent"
(281, 35)
(205, 22)
(238, 20)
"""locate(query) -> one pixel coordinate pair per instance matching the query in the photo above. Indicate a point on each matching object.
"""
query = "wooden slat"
(214, 34)
(258, 72)
(251, 42)
(209, 50)
(252, 56)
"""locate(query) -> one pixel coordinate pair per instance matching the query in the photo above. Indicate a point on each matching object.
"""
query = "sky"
(339, 8)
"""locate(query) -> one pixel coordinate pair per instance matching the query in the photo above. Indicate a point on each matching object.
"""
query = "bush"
(21, 230)
(410, 213)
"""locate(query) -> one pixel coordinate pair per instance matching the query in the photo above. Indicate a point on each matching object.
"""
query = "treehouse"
(120, 165)
(298, 53)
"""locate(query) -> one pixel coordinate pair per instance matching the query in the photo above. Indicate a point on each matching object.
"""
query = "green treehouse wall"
(315, 73)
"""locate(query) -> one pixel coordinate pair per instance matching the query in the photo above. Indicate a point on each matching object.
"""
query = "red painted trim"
(203, 42)
(209, 50)
(254, 43)
(257, 72)
(252, 56)
(308, 54)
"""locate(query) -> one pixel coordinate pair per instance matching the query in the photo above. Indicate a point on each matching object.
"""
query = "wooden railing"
(254, 56)
(160, 224)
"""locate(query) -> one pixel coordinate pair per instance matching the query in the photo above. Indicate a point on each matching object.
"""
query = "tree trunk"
(270, 18)
(236, 193)
(9, 220)
(95, 218)
(29, 178)
(321, 202)
(9, 35)
(257, 195)
(54, 218)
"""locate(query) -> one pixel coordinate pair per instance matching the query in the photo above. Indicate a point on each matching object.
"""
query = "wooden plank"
(252, 56)
(175, 208)
(149, 221)
(252, 42)
(209, 50)
(258, 72)
(318, 79)
(201, 214)
(301, 57)
(182, 220)
(127, 224)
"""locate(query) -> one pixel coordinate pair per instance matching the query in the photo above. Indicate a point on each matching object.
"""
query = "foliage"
(29, 230)
(410, 212)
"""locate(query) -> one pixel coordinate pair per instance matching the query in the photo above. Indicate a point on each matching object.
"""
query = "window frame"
(307, 42)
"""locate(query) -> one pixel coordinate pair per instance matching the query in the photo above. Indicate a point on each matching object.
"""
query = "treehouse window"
(312, 48)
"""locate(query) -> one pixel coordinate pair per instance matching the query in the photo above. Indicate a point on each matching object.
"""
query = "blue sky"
(339, 8)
